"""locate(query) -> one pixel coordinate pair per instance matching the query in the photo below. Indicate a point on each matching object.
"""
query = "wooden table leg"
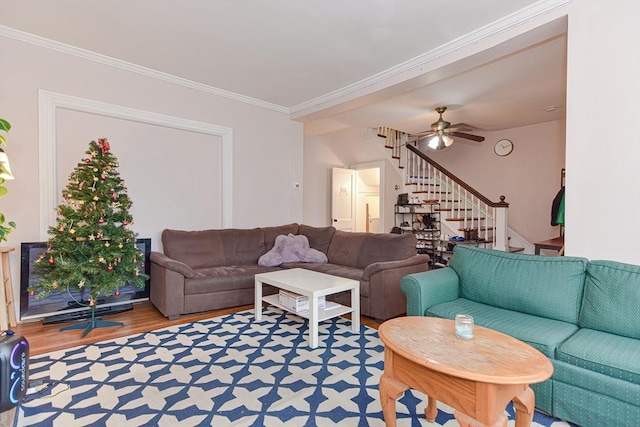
(390, 390)
(432, 409)
(524, 404)
(466, 421)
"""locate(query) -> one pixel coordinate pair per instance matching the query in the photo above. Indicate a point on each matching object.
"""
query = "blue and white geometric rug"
(226, 371)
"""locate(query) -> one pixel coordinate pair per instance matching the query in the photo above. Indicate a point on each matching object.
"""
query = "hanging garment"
(557, 208)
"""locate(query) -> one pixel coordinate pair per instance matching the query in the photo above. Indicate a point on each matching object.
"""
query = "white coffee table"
(312, 285)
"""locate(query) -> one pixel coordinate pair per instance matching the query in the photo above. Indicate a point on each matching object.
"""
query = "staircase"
(463, 209)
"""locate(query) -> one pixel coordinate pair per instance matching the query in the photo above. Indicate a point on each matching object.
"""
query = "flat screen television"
(73, 305)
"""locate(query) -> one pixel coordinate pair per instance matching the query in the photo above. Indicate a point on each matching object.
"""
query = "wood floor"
(143, 318)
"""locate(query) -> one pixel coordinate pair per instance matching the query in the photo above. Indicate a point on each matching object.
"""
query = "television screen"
(72, 304)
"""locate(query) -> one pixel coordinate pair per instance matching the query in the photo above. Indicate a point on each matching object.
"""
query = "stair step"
(479, 229)
(431, 192)
(395, 157)
(452, 209)
(513, 249)
(427, 184)
(463, 219)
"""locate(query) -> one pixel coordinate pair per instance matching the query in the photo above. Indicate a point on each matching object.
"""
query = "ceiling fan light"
(434, 142)
(447, 140)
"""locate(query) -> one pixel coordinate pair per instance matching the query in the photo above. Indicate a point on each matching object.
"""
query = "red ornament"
(142, 265)
(101, 221)
(91, 303)
(87, 160)
(61, 229)
(137, 272)
(51, 261)
(114, 196)
(125, 222)
(109, 267)
(103, 177)
(135, 260)
(32, 293)
(117, 293)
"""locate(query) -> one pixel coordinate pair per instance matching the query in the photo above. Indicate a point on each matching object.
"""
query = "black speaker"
(14, 369)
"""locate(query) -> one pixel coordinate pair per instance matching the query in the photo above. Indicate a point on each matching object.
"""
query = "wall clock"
(504, 147)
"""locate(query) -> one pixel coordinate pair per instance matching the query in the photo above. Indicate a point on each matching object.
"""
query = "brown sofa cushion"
(211, 248)
(270, 234)
(197, 249)
(319, 237)
(361, 249)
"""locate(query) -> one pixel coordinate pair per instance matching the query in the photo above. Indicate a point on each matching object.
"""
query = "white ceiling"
(295, 53)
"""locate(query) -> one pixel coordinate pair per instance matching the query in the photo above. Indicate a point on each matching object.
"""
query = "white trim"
(417, 65)
(376, 82)
(134, 68)
(49, 102)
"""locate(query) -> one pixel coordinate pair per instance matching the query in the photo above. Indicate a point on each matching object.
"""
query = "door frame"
(380, 166)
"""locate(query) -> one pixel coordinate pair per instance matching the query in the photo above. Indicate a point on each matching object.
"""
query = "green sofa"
(584, 316)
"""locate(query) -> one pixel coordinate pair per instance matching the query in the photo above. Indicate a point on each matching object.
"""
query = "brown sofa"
(213, 269)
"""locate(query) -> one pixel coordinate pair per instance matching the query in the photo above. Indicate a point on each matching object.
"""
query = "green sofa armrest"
(429, 288)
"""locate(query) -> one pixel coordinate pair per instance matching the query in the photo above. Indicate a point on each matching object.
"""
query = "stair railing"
(467, 205)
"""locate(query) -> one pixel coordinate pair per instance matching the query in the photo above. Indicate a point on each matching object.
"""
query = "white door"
(343, 199)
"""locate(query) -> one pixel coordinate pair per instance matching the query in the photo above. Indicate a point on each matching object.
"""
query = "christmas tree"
(91, 249)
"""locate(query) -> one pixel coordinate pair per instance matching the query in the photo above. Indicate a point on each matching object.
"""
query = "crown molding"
(128, 66)
(415, 66)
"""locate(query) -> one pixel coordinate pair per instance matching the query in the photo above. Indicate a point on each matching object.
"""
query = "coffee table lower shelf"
(323, 314)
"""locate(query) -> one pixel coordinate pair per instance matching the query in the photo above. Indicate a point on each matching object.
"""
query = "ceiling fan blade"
(460, 127)
(423, 133)
(467, 136)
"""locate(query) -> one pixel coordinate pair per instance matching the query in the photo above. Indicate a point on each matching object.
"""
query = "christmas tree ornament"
(117, 293)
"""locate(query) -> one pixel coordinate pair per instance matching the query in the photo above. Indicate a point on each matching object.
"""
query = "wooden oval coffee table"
(476, 377)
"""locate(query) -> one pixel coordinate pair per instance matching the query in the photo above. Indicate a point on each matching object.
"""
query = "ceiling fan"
(441, 134)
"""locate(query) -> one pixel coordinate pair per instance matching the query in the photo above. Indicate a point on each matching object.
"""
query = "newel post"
(501, 240)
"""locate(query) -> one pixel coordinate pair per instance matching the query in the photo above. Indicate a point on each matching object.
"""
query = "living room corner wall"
(266, 153)
(343, 148)
(603, 131)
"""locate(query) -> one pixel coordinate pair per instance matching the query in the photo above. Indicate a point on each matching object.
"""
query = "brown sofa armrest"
(386, 299)
(171, 264)
(377, 267)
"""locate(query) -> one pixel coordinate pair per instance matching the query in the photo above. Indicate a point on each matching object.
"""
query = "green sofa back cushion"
(612, 298)
(544, 286)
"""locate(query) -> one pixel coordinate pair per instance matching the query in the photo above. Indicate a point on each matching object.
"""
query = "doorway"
(369, 203)
(358, 198)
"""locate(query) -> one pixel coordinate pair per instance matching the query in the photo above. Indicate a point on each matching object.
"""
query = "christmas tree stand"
(92, 324)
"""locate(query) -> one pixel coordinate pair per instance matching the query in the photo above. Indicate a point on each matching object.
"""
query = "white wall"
(343, 149)
(603, 131)
(267, 145)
